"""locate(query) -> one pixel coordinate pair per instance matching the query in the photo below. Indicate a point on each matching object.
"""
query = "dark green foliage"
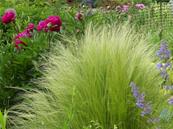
(17, 67)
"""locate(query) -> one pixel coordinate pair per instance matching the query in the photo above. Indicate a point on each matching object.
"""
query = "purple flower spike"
(170, 101)
(132, 84)
(140, 105)
(153, 120)
(146, 110)
(168, 87)
(140, 100)
(164, 74)
(159, 65)
(134, 89)
(167, 65)
(163, 53)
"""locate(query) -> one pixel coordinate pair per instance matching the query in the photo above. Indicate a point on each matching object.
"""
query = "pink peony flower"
(52, 23)
(42, 25)
(27, 33)
(18, 42)
(140, 6)
(24, 34)
(9, 16)
(30, 27)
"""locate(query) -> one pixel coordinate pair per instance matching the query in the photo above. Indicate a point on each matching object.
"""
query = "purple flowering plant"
(165, 68)
(164, 54)
(140, 6)
(141, 103)
(147, 110)
(128, 8)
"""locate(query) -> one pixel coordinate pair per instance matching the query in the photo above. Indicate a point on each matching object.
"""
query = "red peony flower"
(79, 16)
(27, 33)
(18, 42)
(42, 25)
(24, 34)
(52, 23)
(30, 27)
(69, 1)
(9, 16)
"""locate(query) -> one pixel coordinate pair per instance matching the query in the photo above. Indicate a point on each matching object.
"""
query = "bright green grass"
(3, 120)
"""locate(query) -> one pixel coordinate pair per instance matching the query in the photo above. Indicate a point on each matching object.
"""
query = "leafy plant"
(17, 67)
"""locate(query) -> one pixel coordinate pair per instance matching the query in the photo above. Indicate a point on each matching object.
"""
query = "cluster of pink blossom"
(27, 33)
(125, 8)
(9, 16)
(140, 6)
(52, 23)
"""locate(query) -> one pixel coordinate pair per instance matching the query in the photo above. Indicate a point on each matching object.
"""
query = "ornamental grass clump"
(92, 84)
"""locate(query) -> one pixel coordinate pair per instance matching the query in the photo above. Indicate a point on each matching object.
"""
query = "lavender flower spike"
(146, 110)
(134, 89)
(163, 53)
(170, 101)
(140, 100)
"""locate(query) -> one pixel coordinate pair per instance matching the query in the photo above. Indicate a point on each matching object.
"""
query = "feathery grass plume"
(93, 84)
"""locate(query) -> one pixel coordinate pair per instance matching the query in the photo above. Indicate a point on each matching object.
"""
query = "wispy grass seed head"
(93, 85)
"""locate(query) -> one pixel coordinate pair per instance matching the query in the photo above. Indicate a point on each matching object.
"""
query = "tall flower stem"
(49, 40)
